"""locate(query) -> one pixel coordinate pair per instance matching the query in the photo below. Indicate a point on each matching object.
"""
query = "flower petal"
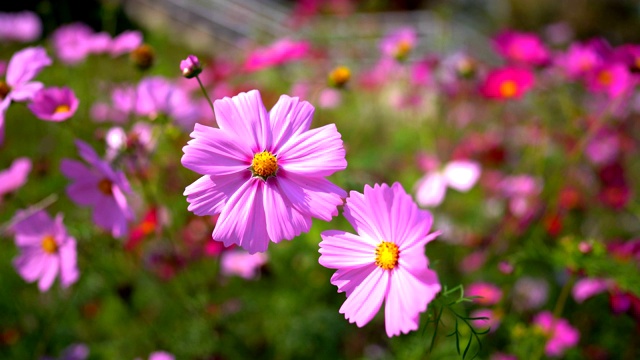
(348, 279)
(317, 152)
(209, 194)
(245, 116)
(214, 152)
(312, 196)
(340, 250)
(283, 220)
(30, 264)
(49, 273)
(26, 64)
(289, 118)
(430, 189)
(68, 263)
(461, 175)
(365, 300)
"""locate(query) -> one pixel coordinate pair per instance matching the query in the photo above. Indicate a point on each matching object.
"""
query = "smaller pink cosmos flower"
(461, 175)
(580, 59)
(399, 43)
(46, 250)
(72, 43)
(125, 43)
(493, 321)
(24, 26)
(241, 263)
(521, 48)
(280, 52)
(385, 260)
(589, 287)
(100, 187)
(489, 293)
(54, 104)
(560, 334)
(613, 79)
(507, 83)
(15, 176)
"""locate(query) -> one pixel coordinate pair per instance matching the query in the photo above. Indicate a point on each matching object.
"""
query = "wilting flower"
(100, 187)
(15, 176)
(560, 334)
(507, 83)
(23, 66)
(54, 104)
(46, 250)
(385, 260)
(241, 263)
(399, 43)
(489, 294)
(521, 47)
(264, 172)
(280, 52)
(24, 26)
(459, 174)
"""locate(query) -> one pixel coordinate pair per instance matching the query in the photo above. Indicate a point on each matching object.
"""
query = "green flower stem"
(204, 91)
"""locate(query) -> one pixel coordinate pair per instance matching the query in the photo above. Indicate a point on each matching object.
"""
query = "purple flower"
(23, 66)
(560, 334)
(72, 352)
(385, 260)
(15, 176)
(24, 26)
(264, 172)
(45, 250)
(100, 187)
(54, 104)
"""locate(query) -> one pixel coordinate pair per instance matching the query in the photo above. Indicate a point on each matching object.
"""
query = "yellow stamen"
(49, 244)
(508, 88)
(105, 186)
(264, 164)
(387, 254)
(62, 109)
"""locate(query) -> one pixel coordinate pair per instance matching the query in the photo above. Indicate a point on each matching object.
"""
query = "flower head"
(264, 172)
(489, 294)
(72, 43)
(100, 187)
(613, 79)
(46, 250)
(560, 334)
(24, 26)
(280, 52)
(521, 47)
(399, 43)
(507, 83)
(54, 104)
(461, 175)
(385, 260)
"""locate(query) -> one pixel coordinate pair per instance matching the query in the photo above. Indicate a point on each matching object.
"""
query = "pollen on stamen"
(264, 165)
(49, 244)
(62, 109)
(387, 254)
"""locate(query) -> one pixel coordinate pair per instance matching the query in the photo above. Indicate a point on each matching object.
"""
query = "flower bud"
(190, 67)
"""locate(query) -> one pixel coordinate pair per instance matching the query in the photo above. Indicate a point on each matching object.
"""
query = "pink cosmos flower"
(15, 176)
(24, 26)
(385, 260)
(100, 187)
(125, 43)
(161, 355)
(580, 59)
(241, 263)
(613, 79)
(54, 104)
(507, 83)
(489, 293)
(76, 351)
(46, 250)
(264, 172)
(72, 42)
(522, 192)
(461, 175)
(157, 95)
(521, 48)
(493, 321)
(280, 52)
(23, 66)
(399, 43)
(560, 334)
(588, 287)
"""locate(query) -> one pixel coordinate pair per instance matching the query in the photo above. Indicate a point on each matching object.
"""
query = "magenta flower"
(46, 250)
(54, 104)
(157, 95)
(489, 294)
(161, 355)
(461, 175)
(613, 79)
(385, 260)
(241, 263)
(24, 26)
(15, 176)
(507, 83)
(264, 172)
(23, 66)
(521, 48)
(560, 334)
(580, 59)
(280, 52)
(399, 43)
(100, 187)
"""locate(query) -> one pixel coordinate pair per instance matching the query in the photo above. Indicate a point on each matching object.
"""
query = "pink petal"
(209, 194)
(32, 224)
(462, 175)
(26, 91)
(365, 300)
(430, 189)
(49, 273)
(26, 64)
(313, 196)
(68, 263)
(109, 216)
(356, 211)
(348, 279)
(283, 221)
(340, 250)
(30, 264)
(246, 118)
(289, 117)
(16, 176)
(588, 287)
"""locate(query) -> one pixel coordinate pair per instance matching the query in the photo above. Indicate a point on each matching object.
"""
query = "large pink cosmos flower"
(100, 187)
(264, 172)
(385, 260)
(23, 66)
(45, 250)
(54, 104)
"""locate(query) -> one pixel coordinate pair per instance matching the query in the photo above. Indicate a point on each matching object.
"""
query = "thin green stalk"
(204, 91)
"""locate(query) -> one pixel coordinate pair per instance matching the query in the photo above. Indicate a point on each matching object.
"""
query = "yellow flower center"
(508, 88)
(403, 48)
(49, 244)
(605, 78)
(387, 255)
(105, 186)
(62, 109)
(264, 165)
(339, 76)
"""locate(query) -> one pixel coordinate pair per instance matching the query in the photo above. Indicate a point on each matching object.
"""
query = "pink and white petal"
(430, 189)
(356, 211)
(365, 300)
(242, 220)
(30, 240)
(316, 197)
(68, 263)
(417, 244)
(121, 202)
(462, 175)
(289, 117)
(245, 116)
(49, 273)
(317, 152)
(283, 221)
(26, 91)
(208, 194)
(378, 200)
(4, 105)
(214, 152)
(30, 264)
(348, 279)
(340, 250)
